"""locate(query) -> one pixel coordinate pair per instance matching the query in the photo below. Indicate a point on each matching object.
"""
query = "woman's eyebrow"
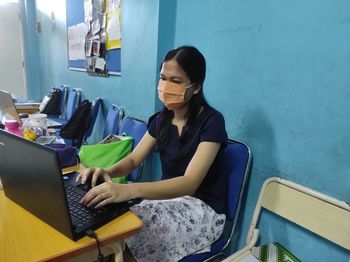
(176, 78)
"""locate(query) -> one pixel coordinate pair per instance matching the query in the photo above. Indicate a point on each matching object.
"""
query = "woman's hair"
(193, 64)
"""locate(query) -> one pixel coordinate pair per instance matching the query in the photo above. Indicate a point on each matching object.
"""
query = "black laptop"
(31, 176)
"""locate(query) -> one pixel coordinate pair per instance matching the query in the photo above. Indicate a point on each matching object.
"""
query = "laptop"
(8, 111)
(38, 186)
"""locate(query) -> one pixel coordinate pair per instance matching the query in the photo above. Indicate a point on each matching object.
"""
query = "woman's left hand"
(107, 193)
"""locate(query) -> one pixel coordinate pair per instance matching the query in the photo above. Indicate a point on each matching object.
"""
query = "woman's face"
(171, 71)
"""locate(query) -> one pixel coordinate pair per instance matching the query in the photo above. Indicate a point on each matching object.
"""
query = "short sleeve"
(214, 129)
(152, 124)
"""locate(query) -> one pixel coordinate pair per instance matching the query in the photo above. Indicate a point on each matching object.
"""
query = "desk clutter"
(33, 128)
(67, 154)
(63, 117)
(35, 174)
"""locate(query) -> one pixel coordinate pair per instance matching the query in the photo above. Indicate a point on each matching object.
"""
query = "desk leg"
(118, 252)
(91, 255)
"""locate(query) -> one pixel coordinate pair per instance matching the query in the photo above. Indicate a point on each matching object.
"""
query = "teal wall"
(138, 77)
(31, 49)
(277, 70)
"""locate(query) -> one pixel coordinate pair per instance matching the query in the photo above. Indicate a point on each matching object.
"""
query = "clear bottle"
(37, 123)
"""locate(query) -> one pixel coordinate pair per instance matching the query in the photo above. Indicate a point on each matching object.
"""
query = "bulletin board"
(75, 14)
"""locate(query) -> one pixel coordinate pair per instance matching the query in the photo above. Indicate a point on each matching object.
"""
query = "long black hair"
(193, 64)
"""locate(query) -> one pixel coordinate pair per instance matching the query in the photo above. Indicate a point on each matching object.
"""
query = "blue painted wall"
(31, 51)
(134, 90)
(277, 70)
(47, 65)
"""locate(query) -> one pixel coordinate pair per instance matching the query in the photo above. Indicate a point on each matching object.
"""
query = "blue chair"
(64, 98)
(74, 97)
(135, 128)
(69, 106)
(236, 160)
(113, 120)
(95, 108)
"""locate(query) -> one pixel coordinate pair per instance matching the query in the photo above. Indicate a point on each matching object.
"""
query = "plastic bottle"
(37, 123)
(12, 126)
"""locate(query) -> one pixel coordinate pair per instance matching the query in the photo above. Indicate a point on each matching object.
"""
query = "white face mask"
(172, 95)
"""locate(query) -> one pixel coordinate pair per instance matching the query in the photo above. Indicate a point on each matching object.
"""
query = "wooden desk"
(27, 109)
(24, 237)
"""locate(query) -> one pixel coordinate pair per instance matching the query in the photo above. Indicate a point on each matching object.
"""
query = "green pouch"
(104, 155)
(273, 252)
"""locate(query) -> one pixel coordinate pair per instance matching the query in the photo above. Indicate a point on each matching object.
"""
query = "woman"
(184, 212)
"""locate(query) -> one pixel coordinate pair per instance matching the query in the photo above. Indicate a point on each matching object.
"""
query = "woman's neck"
(181, 114)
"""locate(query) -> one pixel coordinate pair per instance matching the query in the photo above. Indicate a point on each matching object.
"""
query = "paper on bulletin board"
(87, 10)
(76, 41)
(113, 32)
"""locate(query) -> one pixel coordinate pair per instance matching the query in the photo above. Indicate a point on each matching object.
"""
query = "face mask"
(172, 95)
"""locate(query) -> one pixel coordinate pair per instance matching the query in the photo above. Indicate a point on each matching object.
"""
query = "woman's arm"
(195, 172)
(180, 186)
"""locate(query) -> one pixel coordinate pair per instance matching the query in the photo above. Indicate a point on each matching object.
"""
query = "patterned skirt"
(174, 228)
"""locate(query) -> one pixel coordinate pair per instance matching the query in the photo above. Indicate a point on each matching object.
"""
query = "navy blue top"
(210, 127)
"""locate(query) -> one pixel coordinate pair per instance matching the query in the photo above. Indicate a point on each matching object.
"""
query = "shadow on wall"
(257, 131)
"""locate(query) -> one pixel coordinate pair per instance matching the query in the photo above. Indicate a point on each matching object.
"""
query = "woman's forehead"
(172, 69)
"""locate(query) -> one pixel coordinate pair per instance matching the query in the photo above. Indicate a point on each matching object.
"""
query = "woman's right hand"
(94, 173)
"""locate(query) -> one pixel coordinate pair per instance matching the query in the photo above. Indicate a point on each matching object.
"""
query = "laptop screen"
(7, 108)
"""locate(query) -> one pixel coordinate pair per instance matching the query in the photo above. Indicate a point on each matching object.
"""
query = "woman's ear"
(197, 88)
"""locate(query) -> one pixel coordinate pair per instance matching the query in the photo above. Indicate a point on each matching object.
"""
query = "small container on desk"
(37, 123)
(12, 126)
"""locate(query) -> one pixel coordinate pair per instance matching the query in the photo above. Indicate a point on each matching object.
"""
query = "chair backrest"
(64, 96)
(72, 102)
(235, 163)
(95, 108)
(113, 120)
(303, 206)
(135, 128)
(61, 103)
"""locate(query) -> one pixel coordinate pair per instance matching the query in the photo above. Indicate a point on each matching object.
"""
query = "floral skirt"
(174, 228)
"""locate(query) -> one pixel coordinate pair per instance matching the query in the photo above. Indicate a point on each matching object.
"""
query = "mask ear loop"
(189, 98)
(190, 85)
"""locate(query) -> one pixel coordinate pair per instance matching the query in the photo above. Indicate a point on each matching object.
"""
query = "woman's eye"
(176, 81)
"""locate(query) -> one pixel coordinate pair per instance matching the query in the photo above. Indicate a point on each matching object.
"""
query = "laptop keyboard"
(79, 211)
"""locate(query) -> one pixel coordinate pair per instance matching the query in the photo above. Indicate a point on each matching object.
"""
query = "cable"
(92, 234)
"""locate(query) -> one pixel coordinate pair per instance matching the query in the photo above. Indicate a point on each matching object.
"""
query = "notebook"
(37, 185)
(8, 111)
